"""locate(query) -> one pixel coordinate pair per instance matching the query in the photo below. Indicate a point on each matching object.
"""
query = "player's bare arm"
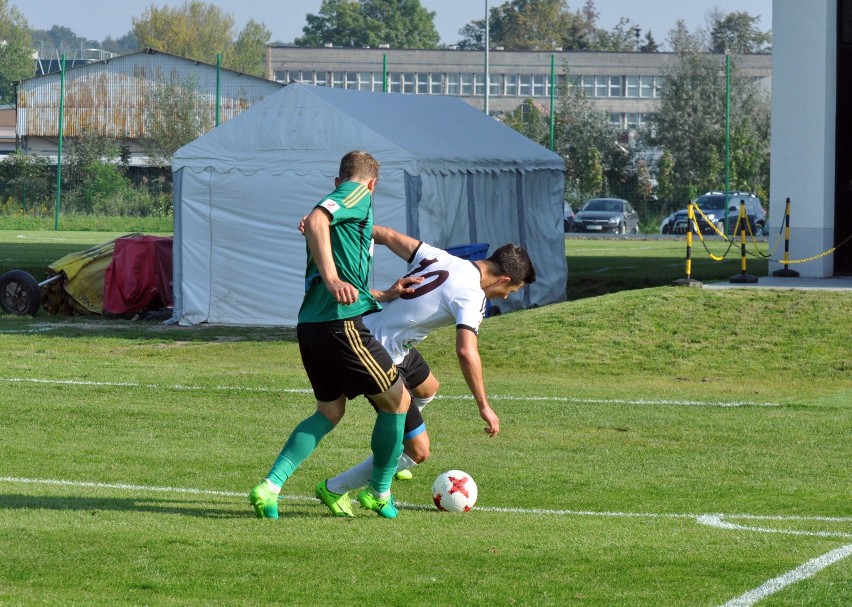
(402, 245)
(318, 235)
(467, 351)
(402, 286)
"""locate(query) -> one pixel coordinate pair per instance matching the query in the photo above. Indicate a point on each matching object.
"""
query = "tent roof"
(304, 127)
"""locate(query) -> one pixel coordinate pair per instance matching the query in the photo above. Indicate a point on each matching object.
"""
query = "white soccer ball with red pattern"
(454, 491)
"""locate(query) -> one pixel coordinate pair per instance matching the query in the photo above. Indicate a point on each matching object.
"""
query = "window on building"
(601, 86)
(511, 81)
(556, 81)
(615, 86)
(337, 80)
(589, 86)
(633, 120)
(479, 84)
(539, 85)
(436, 84)
(632, 86)
(407, 83)
(453, 84)
(352, 80)
(525, 85)
(646, 86)
(466, 85)
(617, 120)
(422, 83)
(395, 82)
(659, 83)
(321, 78)
(495, 85)
(378, 85)
(365, 81)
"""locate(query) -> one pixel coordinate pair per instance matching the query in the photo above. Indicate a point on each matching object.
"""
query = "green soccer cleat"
(340, 505)
(264, 501)
(403, 475)
(384, 507)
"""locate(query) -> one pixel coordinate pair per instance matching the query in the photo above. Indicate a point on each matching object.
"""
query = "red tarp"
(139, 277)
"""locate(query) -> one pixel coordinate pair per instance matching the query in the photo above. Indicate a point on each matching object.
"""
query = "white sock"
(276, 489)
(422, 402)
(359, 475)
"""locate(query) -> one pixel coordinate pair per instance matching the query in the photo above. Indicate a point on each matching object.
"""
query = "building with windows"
(625, 85)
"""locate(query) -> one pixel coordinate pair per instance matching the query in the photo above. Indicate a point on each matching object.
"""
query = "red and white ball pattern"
(454, 491)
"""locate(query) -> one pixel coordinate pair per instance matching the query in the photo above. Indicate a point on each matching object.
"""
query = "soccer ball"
(454, 491)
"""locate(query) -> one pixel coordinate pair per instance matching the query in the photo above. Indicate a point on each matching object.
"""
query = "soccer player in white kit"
(450, 290)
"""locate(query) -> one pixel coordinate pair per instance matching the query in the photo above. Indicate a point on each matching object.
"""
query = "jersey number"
(431, 280)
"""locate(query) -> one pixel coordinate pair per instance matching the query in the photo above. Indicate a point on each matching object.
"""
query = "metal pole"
(385, 73)
(786, 271)
(218, 85)
(552, 96)
(487, 42)
(727, 134)
(690, 221)
(59, 149)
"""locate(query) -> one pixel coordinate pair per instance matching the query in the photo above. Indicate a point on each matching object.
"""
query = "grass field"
(659, 447)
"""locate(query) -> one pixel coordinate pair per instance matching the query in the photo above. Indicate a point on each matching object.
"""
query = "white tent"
(449, 176)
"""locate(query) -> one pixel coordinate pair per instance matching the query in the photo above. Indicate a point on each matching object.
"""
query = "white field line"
(700, 518)
(715, 520)
(560, 399)
(803, 572)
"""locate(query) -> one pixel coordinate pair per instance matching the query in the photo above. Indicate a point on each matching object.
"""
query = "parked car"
(607, 215)
(712, 204)
(569, 217)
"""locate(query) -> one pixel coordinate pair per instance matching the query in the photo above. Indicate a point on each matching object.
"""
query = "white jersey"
(449, 294)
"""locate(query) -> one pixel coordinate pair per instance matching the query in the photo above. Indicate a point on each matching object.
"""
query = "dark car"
(607, 215)
(712, 205)
(569, 217)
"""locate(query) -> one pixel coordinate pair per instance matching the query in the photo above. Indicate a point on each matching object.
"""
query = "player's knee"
(419, 453)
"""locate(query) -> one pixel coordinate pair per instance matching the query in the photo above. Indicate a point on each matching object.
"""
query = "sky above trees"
(95, 19)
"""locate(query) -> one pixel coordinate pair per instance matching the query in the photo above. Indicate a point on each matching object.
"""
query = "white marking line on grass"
(751, 597)
(803, 572)
(534, 511)
(715, 520)
(560, 399)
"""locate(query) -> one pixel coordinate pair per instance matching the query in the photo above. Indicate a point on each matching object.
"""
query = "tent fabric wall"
(449, 175)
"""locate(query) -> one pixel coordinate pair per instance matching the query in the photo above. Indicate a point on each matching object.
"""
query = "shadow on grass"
(95, 505)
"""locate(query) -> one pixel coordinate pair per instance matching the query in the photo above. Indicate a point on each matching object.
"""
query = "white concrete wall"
(804, 53)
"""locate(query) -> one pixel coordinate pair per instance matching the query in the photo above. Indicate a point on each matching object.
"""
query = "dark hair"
(358, 165)
(512, 261)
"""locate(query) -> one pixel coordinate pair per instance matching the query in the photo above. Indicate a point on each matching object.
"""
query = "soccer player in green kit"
(340, 356)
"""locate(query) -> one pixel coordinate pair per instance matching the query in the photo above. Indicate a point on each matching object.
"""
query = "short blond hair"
(358, 164)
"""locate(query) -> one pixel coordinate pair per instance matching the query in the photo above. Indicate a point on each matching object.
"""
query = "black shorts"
(342, 357)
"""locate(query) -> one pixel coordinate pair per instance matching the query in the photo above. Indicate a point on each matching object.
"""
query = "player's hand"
(344, 293)
(302, 225)
(403, 286)
(493, 427)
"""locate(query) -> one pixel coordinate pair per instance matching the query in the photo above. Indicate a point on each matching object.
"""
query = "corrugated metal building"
(110, 98)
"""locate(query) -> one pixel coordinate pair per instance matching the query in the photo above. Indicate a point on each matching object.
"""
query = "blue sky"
(97, 19)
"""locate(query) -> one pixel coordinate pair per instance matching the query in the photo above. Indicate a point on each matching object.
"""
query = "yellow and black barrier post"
(743, 277)
(690, 221)
(786, 271)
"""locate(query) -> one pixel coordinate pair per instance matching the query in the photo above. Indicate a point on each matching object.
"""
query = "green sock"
(387, 447)
(302, 442)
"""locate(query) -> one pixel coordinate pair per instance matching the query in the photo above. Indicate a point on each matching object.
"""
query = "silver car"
(607, 215)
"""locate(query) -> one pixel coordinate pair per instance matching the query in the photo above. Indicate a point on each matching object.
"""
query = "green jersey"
(351, 210)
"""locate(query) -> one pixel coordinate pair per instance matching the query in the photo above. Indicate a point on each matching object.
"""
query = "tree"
(200, 31)
(247, 53)
(690, 127)
(369, 23)
(61, 39)
(16, 60)
(544, 25)
(737, 33)
(121, 46)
